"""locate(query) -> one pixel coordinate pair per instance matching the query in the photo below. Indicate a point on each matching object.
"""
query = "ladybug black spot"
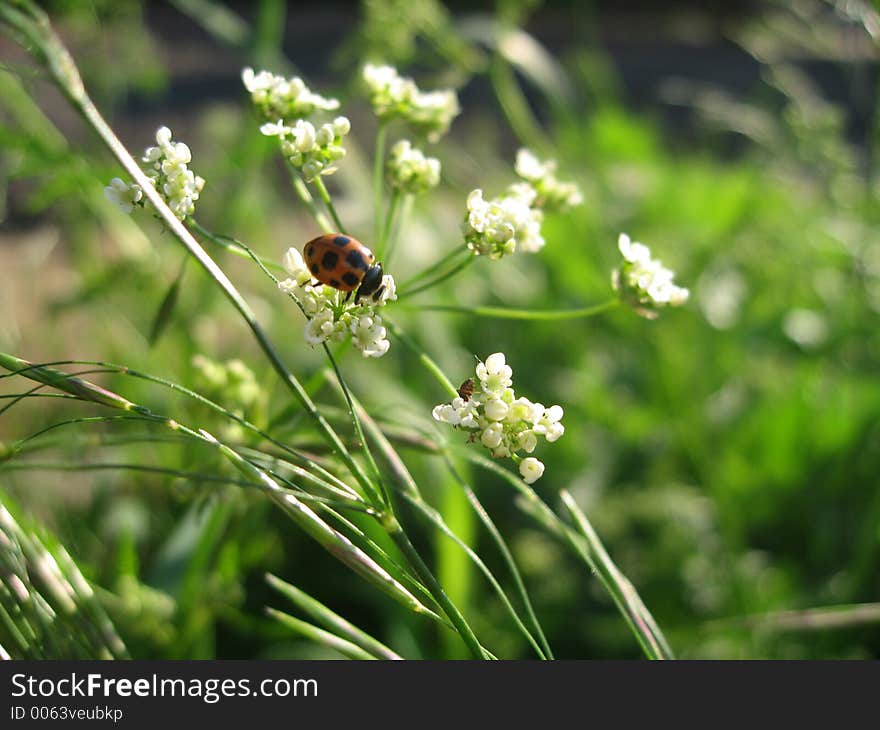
(334, 283)
(330, 260)
(315, 268)
(349, 278)
(310, 251)
(341, 240)
(355, 260)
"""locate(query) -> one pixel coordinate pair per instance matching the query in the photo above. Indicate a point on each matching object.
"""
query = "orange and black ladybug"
(344, 263)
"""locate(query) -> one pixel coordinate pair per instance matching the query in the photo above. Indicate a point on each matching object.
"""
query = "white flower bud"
(531, 469)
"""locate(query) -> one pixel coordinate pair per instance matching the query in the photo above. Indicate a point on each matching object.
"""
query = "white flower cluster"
(552, 194)
(331, 319)
(410, 171)
(310, 150)
(166, 164)
(395, 97)
(500, 421)
(276, 97)
(643, 281)
(505, 224)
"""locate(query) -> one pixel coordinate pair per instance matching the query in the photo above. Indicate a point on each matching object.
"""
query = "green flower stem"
(302, 190)
(396, 231)
(319, 636)
(400, 538)
(231, 245)
(617, 584)
(381, 497)
(625, 597)
(331, 619)
(514, 104)
(436, 266)
(534, 314)
(544, 650)
(382, 243)
(49, 48)
(424, 358)
(328, 201)
(378, 174)
(439, 279)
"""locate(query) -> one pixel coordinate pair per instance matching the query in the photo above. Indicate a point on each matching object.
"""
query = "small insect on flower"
(466, 390)
(344, 263)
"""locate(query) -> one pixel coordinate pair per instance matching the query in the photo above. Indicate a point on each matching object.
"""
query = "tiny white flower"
(527, 441)
(319, 327)
(502, 225)
(531, 469)
(492, 435)
(295, 266)
(643, 281)
(552, 194)
(123, 195)
(275, 97)
(496, 409)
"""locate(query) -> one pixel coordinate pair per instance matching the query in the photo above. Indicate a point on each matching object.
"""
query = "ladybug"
(344, 263)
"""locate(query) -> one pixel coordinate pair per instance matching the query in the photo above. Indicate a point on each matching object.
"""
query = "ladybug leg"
(347, 297)
(378, 293)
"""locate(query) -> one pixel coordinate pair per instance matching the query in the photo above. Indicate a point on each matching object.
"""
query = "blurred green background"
(727, 453)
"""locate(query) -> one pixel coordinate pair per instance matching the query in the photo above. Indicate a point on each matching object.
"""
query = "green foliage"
(726, 453)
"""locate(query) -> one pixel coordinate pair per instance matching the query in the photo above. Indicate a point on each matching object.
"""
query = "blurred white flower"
(501, 422)
(552, 194)
(806, 328)
(500, 226)
(123, 195)
(393, 96)
(410, 171)
(278, 98)
(643, 281)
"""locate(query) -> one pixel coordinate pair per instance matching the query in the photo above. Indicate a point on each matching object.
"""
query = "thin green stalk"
(424, 573)
(617, 584)
(436, 266)
(424, 358)
(514, 104)
(302, 190)
(232, 245)
(382, 243)
(382, 496)
(458, 268)
(397, 229)
(505, 554)
(328, 201)
(378, 175)
(320, 636)
(331, 619)
(531, 314)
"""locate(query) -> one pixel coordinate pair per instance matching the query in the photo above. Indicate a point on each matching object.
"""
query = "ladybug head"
(371, 284)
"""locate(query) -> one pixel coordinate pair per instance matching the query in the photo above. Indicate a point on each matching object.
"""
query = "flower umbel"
(502, 225)
(410, 171)
(331, 318)
(395, 97)
(501, 422)
(644, 282)
(166, 164)
(276, 97)
(552, 194)
(313, 151)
